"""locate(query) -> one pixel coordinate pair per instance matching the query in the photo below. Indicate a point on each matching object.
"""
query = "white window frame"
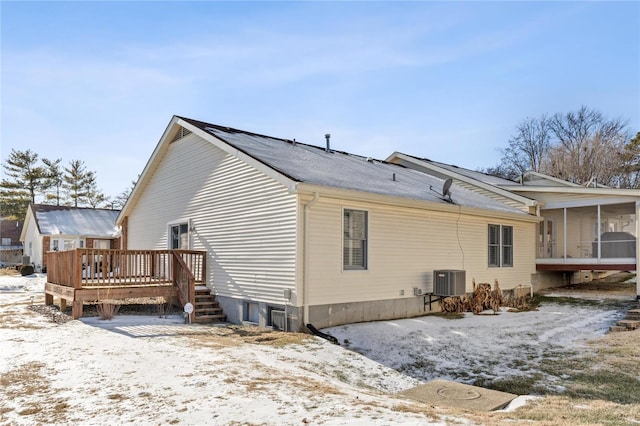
(178, 224)
(365, 249)
(6, 241)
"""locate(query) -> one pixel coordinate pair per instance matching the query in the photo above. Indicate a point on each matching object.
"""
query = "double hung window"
(500, 245)
(354, 239)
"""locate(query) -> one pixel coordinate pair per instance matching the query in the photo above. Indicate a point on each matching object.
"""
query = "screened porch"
(598, 237)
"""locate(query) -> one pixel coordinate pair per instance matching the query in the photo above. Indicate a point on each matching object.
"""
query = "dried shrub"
(483, 298)
(106, 311)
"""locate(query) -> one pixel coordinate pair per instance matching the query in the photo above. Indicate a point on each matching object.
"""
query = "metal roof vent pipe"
(328, 138)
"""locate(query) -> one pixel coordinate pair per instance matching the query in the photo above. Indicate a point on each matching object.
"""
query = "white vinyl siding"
(243, 219)
(405, 246)
(33, 241)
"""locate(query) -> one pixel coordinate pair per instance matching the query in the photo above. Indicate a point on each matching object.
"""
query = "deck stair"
(631, 322)
(206, 308)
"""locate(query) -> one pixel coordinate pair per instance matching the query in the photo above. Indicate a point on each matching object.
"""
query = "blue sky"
(99, 81)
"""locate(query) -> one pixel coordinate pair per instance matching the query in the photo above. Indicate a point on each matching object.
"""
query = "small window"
(102, 244)
(68, 244)
(250, 312)
(179, 236)
(6, 241)
(500, 240)
(55, 245)
(355, 239)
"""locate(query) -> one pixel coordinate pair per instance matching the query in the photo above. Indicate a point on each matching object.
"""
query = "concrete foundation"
(236, 311)
(323, 316)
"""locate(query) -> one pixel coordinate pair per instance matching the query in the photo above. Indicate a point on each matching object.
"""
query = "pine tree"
(54, 179)
(78, 182)
(24, 179)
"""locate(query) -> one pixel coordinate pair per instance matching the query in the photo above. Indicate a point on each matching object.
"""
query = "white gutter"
(396, 201)
(305, 257)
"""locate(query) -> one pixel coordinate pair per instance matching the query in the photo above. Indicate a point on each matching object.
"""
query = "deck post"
(63, 304)
(48, 299)
(76, 310)
(77, 269)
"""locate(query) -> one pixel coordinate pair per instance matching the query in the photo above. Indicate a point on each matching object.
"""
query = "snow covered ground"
(151, 370)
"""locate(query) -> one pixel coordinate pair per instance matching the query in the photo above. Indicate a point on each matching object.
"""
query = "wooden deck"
(89, 276)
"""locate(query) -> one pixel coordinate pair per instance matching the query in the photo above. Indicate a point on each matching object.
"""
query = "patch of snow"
(154, 370)
(492, 347)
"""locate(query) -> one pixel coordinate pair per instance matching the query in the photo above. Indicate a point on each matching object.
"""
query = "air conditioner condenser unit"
(449, 282)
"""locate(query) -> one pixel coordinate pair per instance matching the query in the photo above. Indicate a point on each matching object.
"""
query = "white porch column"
(564, 236)
(599, 235)
(637, 248)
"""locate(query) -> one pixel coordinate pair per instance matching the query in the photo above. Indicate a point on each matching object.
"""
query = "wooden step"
(210, 318)
(633, 314)
(209, 310)
(206, 307)
(617, 328)
(630, 324)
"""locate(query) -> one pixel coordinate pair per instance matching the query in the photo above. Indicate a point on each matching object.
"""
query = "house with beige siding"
(50, 228)
(318, 235)
(584, 232)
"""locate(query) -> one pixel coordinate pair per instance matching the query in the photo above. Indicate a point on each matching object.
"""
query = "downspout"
(305, 260)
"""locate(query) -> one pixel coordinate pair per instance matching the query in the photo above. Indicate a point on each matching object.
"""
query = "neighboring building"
(327, 236)
(10, 245)
(584, 231)
(56, 228)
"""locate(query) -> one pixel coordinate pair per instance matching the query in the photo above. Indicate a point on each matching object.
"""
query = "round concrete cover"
(452, 394)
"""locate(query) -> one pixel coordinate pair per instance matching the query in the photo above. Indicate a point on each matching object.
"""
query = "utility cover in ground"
(452, 394)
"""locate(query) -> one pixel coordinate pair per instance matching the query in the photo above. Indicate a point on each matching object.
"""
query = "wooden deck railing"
(82, 268)
(185, 281)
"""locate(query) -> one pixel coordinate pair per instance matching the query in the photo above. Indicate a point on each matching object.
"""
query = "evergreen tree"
(54, 180)
(24, 179)
(78, 182)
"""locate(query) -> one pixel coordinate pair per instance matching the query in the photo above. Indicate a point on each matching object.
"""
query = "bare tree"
(529, 147)
(588, 147)
(580, 146)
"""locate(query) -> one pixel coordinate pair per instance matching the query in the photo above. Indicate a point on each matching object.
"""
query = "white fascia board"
(389, 200)
(234, 152)
(25, 225)
(492, 188)
(591, 202)
(580, 190)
